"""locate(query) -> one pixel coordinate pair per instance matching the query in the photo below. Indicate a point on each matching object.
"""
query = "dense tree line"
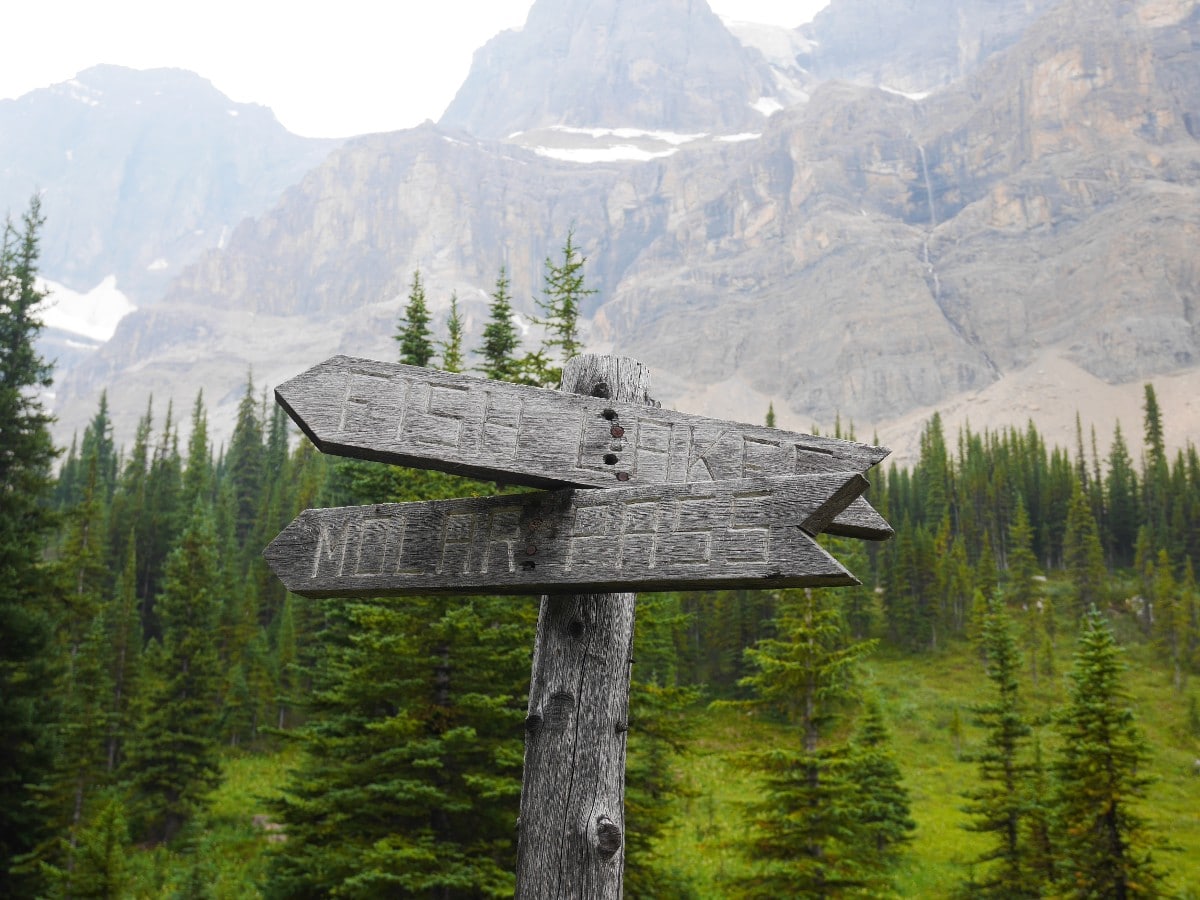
(143, 638)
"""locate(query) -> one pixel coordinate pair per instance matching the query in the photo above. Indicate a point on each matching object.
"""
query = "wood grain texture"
(515, 434)
(571, 831)
(749, 533)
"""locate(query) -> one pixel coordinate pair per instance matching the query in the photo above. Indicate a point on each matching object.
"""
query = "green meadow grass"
(925, 696)
(225, 856)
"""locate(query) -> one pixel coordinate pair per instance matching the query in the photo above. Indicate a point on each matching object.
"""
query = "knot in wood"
(608, 837)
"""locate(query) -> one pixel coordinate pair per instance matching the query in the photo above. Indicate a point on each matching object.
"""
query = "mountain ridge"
(141, 170)
(669, 64)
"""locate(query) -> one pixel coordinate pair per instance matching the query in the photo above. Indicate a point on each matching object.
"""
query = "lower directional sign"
(750, 532)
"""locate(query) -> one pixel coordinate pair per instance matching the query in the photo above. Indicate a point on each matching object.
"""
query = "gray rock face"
(878, 255)
(915, 46)
(141, 171)
(667, 64)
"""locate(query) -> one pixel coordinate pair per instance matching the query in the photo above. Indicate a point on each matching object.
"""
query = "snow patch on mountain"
(77, 90)
(93, 315)
(616, 153)
(768, 106)
(911, 95)
(578, 144)
(779, 45)
(669, 137)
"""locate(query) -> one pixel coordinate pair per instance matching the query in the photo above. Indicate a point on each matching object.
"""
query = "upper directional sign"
(752, 532)
(517, 434)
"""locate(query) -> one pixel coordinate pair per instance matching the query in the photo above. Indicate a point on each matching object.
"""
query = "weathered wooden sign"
(515, 434)
(751, 532)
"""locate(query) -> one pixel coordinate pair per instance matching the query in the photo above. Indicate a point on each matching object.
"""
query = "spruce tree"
(932, 472)
(1170, 616)
(884, 820)
(1105, 845)
(1041, 861)
(411, 781)
(1022, 563)
(199, 477)
(998, 807)
(99, 865)
(452, 347)
(1121, 502)
(82, 682)
(659, 733)
(125, 640)
(1155, 476)
(803, 836)
(26, 455)
(1083, 556)
(500, 338)
(564, 292)
(160, 518)
(413, 333)
(173, 759)
(243, 463)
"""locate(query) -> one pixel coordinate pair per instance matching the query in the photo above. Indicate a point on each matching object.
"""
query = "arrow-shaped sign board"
(522, 435)
(752, 532)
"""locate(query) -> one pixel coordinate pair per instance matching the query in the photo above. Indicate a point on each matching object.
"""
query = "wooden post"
(571, 834)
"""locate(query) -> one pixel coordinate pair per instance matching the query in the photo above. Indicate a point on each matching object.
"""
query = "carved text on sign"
(738, 533)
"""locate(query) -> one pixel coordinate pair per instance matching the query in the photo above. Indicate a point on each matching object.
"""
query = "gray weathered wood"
(749, 533)
(517, 434)
(571, 831)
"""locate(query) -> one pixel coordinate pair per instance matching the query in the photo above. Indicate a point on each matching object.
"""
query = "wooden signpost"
(641, 498)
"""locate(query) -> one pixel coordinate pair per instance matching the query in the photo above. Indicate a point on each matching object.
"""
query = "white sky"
(327, 69)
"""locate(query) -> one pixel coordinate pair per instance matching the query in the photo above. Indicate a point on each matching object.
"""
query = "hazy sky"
(327, 69)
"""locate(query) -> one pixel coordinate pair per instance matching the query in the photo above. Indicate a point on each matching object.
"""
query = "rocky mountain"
(140, 171)
(862, 253)
(664, 65)
(916, 46)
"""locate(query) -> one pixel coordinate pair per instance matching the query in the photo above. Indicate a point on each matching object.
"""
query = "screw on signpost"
(571, 831)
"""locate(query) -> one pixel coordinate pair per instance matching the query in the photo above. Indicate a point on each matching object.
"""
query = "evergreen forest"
(1006, 707)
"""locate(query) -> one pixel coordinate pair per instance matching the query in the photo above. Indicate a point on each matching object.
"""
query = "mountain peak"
(652, 64)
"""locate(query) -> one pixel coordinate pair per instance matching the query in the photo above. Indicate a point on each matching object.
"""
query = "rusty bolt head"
(622, 476)
(617, 431)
